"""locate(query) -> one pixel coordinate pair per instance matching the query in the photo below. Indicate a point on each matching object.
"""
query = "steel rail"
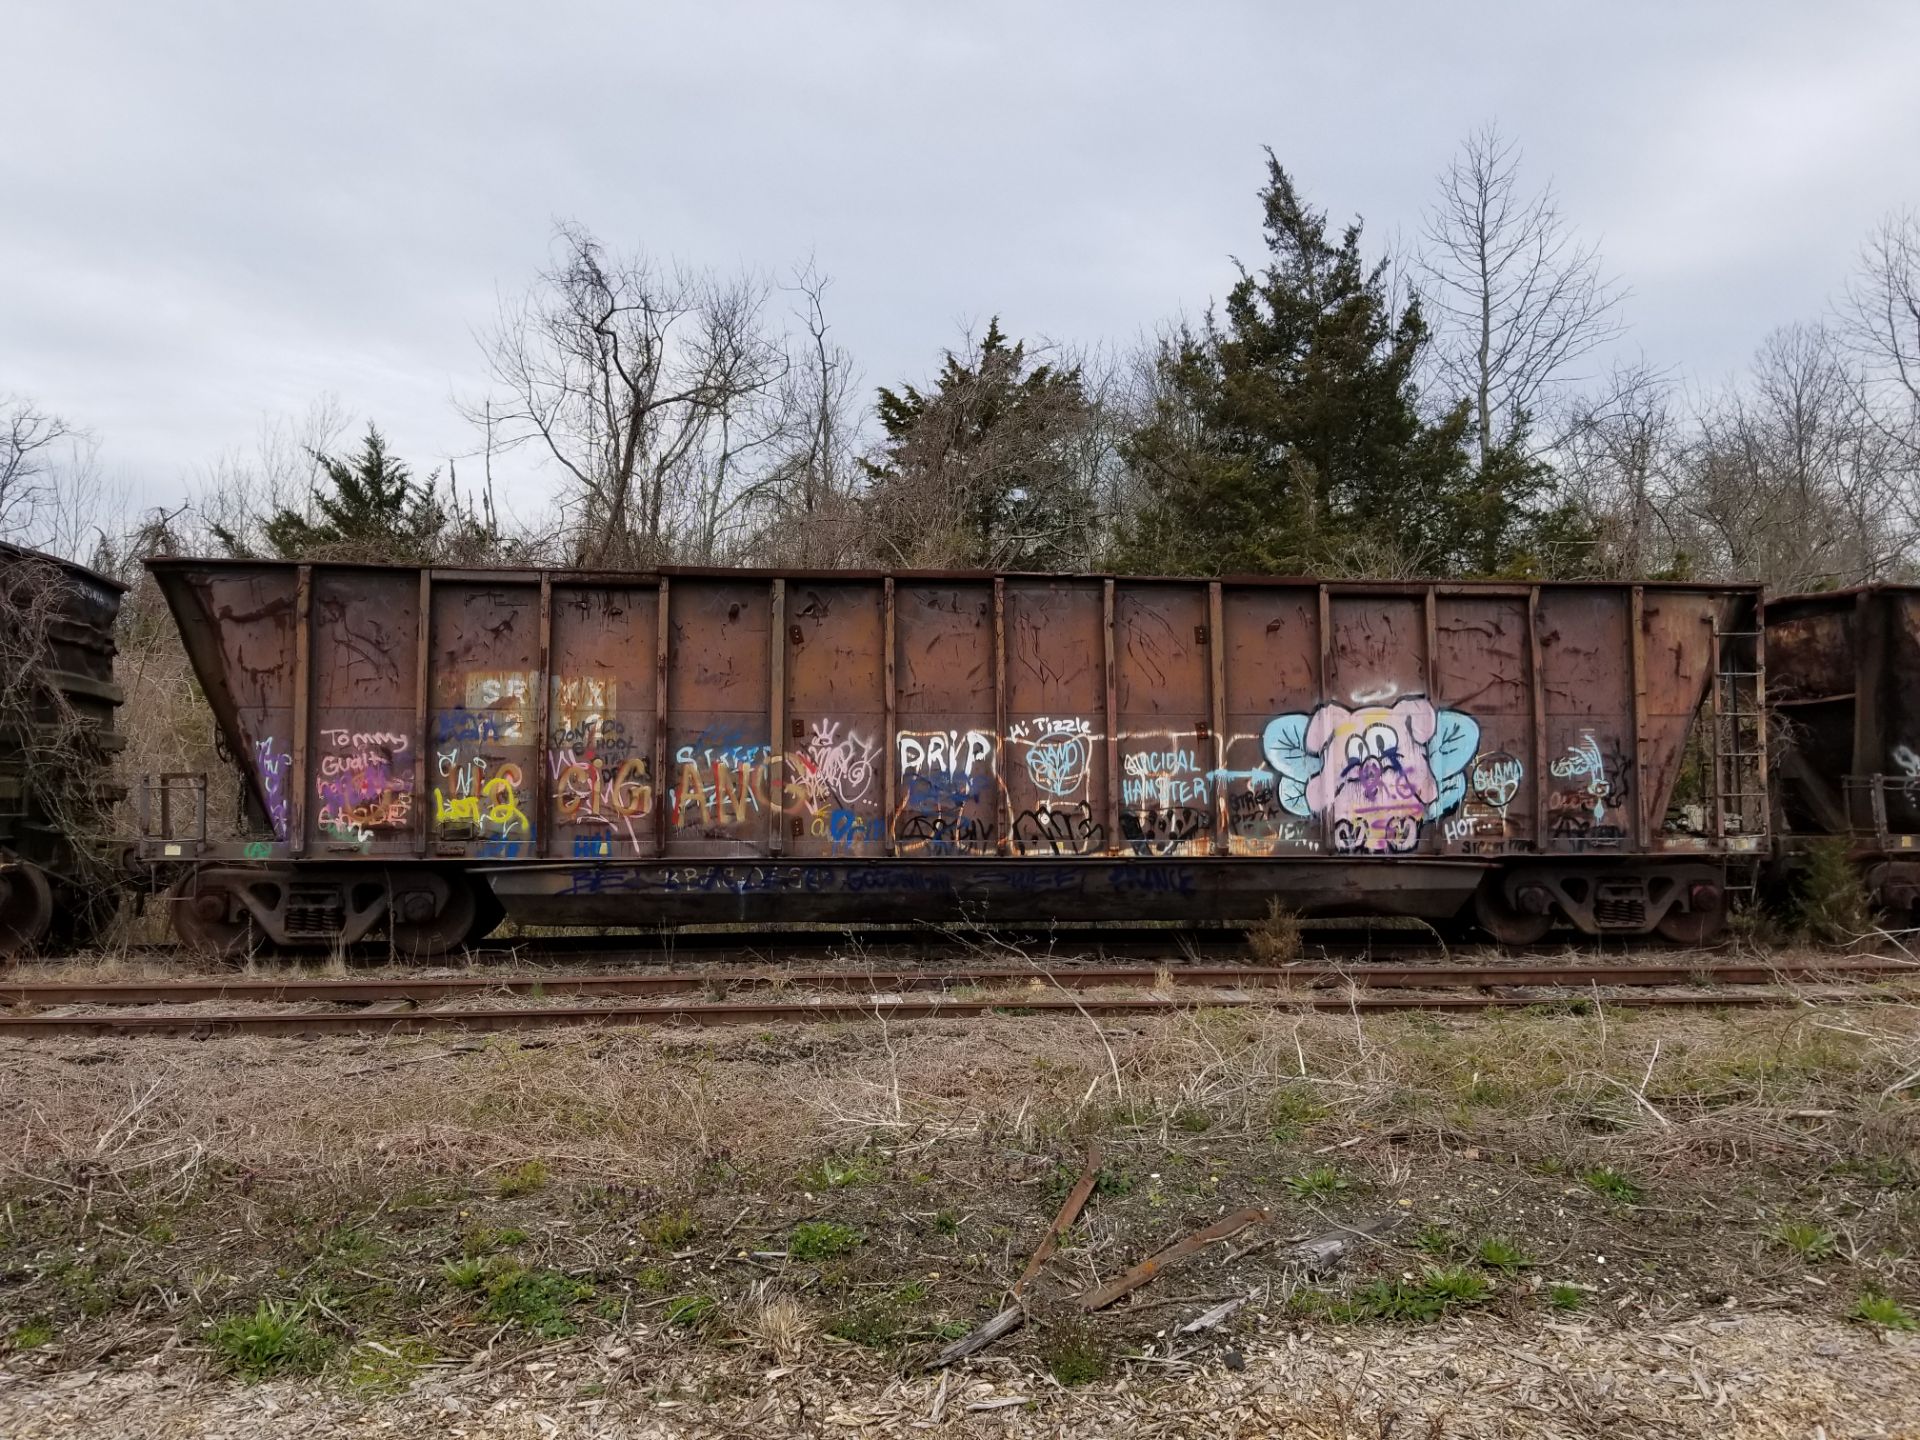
(892, 1007)
(1065, 976)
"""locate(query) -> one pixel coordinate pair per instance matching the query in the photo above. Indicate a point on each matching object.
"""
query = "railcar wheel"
(1702, 923)
(487, 914)
(212, 920)
(1503, 922)
(26, 909)
(420, 932)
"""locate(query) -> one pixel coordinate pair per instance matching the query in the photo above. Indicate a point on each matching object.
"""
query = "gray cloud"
(214, 213)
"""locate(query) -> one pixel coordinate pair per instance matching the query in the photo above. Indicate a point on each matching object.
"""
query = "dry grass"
(370, 1182)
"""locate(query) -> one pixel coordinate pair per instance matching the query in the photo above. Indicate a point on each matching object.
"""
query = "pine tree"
(982, 470)
(366, 507)
(1288, 435)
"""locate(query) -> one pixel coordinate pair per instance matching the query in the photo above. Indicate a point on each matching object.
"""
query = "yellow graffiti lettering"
(691, 794)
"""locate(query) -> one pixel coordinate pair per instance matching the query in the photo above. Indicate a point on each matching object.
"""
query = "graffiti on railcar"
(829, 781)
(477, 797)
(496, 705)
(946, 776)
(363, 783)
(1593, 808)
(1064, 828)
(1493, 783)
(774, 877)
(1057, 753)
(1257, 823)
(1166, 794)
(722, 779)
(597, 776)
(1378, 774)
(272, 763)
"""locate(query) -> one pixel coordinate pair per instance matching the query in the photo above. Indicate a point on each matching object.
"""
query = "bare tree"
(29, 446)
(1881, 323)
(647, 387)
(805, 507)
(282, 470)
(1616, 463)
(1515, 297)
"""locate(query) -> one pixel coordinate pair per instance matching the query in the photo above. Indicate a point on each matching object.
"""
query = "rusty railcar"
(424, 748)
(58, 868)
(1844, 688)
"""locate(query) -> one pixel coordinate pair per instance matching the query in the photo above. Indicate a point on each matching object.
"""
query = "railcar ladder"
(1737, 746)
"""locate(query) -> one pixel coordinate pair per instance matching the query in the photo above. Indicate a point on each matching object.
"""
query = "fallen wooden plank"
(1009, 1319)
(1069, 1212)
(1005, 1323)
(1211, 1318)
(1143, 1272)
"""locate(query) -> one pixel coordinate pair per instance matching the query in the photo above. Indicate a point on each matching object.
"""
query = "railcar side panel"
(836, 748)
(1483, 670)
(601, 780)
(947, 746)
(1274, 666)
(719, 719)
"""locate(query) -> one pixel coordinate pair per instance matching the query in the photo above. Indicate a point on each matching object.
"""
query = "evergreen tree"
(984, 470)
(1289, 436)
(368, 506)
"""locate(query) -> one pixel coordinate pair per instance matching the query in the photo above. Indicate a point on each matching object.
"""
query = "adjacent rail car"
(1844, 690)
(58, 701)
(425, 749)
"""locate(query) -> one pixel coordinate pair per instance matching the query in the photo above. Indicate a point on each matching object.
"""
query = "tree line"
(1436, 410)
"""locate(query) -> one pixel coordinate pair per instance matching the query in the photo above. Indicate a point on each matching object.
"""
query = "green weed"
(821, 1240)
(835, 1172)
(1607, 1181)
(538, 1300)
(32, 1334)
(1073, 1358)
(1499, 1254)
(654, 1279)
(1566, 1297)
(1805, 1239)
(1884, 1311)
(1438, 1290)
(523, 1179)
(372, 1365)
(485, 1240)
(672, 1231)
(1320, 1180)
(693, 1312)
(273, 1340)
(467, 1273)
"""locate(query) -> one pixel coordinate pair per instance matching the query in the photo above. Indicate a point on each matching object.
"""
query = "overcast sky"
(210, 214)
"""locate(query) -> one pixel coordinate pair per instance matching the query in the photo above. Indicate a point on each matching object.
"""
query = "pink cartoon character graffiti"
(1380, 772)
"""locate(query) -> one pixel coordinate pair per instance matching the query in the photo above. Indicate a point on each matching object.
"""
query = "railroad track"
(892, 993)
(765, 946)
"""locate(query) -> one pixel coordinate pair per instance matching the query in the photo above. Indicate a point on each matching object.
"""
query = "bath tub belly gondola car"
(425, 750)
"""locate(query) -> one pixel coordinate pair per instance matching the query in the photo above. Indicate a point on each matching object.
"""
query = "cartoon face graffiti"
(1380, 772)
